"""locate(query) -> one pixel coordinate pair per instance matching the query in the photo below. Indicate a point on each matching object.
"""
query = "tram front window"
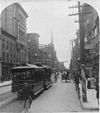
(22, 75)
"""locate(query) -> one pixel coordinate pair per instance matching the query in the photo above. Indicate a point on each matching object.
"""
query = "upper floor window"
(21, 34)
(7, 45)
(7, 57)
(10, 46)
(16, 28)
(22, 19)
(3, 56)
(95, 32)
(3, 44)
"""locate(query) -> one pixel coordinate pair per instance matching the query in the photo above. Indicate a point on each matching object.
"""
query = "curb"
(7, 101)
(5, 84)
(83, 104)
(80, 99)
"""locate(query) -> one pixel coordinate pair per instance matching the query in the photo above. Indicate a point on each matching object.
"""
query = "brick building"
(13, 46)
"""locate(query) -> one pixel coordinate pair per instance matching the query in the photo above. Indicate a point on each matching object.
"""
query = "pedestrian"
(97, 89)
(77, 82)
(55, 77)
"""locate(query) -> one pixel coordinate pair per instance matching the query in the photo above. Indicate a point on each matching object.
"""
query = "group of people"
(97, 89)
(77, 77)
(65, 76)
(62, 75)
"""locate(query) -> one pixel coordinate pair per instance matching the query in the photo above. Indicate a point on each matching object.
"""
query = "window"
(7, 45)
(14, 59)
(21, 35)
(95, 32)
(11, 58)
(10, 46)
(3, 56)
(16, 29)
(3, 44)
(7, 57)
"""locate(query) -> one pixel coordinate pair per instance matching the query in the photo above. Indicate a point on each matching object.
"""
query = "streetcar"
(30, 79)
(47, 76)
(65, 76)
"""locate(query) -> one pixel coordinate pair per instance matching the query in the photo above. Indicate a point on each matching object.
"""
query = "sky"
(48, 17)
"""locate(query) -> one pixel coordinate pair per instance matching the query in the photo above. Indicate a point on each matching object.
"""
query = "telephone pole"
(81, 36)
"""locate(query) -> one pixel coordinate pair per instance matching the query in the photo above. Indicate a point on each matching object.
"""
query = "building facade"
(49, 56)
(91, 40)
(43, 53)
(90, 29)
(33, 47)
(13, 39)
(75, 54)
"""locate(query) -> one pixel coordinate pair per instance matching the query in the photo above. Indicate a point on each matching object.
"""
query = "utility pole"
(81, 29)
(81, 36)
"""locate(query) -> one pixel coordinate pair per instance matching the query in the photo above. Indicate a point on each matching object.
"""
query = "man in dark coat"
(97, 89)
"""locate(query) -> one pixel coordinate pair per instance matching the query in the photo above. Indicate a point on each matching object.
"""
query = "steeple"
(52, 51)
(51, 37)
(52, 42)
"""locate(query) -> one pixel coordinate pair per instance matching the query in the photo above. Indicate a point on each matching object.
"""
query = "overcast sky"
(48, 17)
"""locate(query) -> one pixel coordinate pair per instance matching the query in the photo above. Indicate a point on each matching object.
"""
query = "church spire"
(52, 37)
(52, 41)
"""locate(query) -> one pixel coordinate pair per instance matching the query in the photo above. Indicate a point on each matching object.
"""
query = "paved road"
(61, 97)
(6, 95)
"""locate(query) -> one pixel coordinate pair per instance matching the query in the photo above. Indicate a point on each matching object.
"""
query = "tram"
(30, 79)
(47, 76)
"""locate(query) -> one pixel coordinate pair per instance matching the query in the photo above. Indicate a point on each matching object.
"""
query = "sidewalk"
(91, 103)
(91, 100)
(8, 100)
(2, 84)
(5, 88)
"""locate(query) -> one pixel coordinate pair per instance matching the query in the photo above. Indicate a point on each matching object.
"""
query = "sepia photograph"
(49, 56)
